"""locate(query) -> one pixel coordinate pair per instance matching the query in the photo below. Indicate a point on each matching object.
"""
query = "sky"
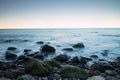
(59, 14)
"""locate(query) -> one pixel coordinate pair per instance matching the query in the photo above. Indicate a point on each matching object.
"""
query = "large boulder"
(101, 66)
(26, 77)
(79, 45)
(62, 58)
(47, 48)
(10, 56)
(96, 78)
(37, 68)
(73, 72)
(53, 63)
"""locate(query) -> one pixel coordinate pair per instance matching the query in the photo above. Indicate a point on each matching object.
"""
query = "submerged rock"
(12, 48)
(26, 77)
(37, 67)
(10, 56)
(27, 50)
(47, 48)
(68, 49)
(79, 45)
(105, 52)
(96, 78)
(94, 56)
(40, 42)
(62, 58)
(73, 72)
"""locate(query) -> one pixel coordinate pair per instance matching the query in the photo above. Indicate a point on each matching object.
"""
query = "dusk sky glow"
(59, 14)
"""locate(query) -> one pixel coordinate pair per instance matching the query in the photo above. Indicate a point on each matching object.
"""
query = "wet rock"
(3, 66)
(53, 63)
(94, 56)
(75, 59)
(12, 48)
(37, 67)
(40, 42)
(48, 48)
(3, 78)
(67, 49)
(111, 72)
(96, 78)
(118, 59)
(73, 72)
(26, 77)
(111, 78)
(84, 60)
(79, 45)
(27, 50)
(10, 56)
(62, 58)
(13, 73)
(105, 52)
(39, 56)
(101, 66)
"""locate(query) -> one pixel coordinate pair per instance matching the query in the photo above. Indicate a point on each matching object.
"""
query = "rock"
(37, 68)
(94, 56)
(12, 48)
(79, 45)
(111, 72)
(101, 66)
(111, 78)
(13, 73)
(84, 60)
(39, 56)
(26, 77)
(53, 63)
(3, 78)
(10, 56)
(73, 72)
(75, 59)
(27, 50)
(48, 48)
(3, 66)
(96, 78)
(40, 42)
(118, 59)
(62, 58)
(67, 49)
(105, 52)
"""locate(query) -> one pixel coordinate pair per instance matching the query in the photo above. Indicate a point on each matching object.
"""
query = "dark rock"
(75, 59)
(84, 60)
(27, 50)
(111, 78)
(37, 68)
(3, 78)
(26, 77)
(79, 45)
(39, 56)
(62, 58)
(3, 66)
(40, 42)
(94, 56)
(48, 48)
(96, 78)
(10, 56)
(105, 52)
(73, 72)
(101, 66)
(12, 48)
(68, 49)
(111, 72)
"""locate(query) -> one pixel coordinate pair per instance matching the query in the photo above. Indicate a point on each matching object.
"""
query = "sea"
(96, 40)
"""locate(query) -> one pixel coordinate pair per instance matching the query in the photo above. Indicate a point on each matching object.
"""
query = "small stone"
(79, 45)
(96, 78)
(62, 58)
(67, 49)
(26, 77)
(111, 72)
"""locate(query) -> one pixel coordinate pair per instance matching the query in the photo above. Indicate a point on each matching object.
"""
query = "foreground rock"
(37, 67)
(96, 78)
(62, 58)
(26, 77)
(10, 56)
(73, 72)
(4, 78)
(79, 45)
(48, 48)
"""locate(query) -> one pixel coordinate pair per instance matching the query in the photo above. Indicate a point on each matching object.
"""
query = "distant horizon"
(25, 14)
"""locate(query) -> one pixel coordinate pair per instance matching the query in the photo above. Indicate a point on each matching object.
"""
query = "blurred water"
(95, 40)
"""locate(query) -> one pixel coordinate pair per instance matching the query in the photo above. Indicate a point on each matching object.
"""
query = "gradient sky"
(59, 13)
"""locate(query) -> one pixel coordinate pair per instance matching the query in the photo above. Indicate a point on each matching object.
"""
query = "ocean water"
(95, 41)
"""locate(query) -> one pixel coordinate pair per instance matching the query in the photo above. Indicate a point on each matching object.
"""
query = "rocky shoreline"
(61, 67)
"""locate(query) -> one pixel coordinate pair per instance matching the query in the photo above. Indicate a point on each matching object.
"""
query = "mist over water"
(95, 41)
